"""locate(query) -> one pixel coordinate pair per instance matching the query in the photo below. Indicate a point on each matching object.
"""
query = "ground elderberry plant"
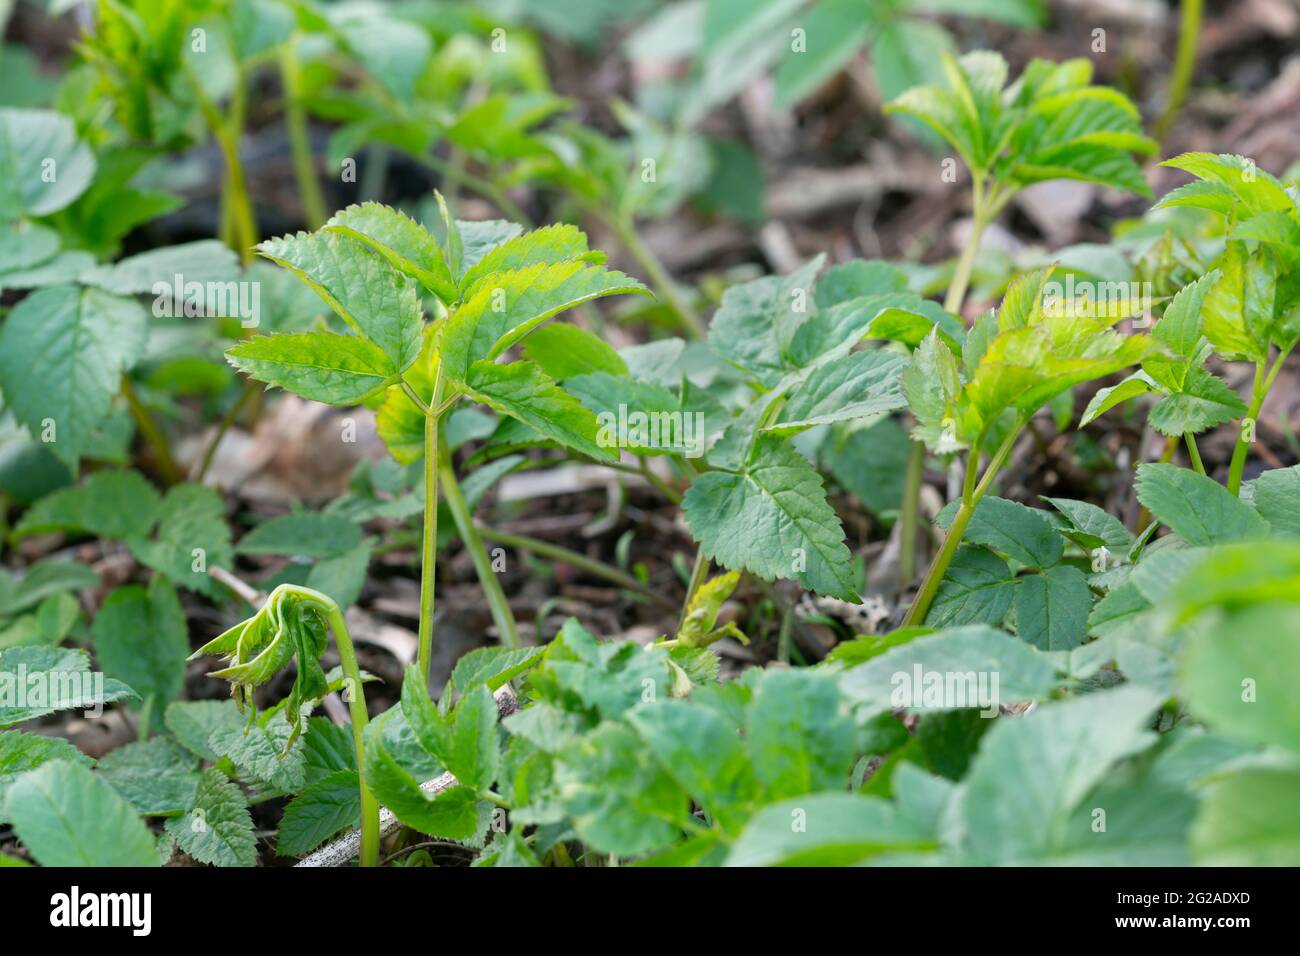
(1062, 684)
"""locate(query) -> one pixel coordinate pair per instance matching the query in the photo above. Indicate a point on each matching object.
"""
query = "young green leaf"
(1196, 508)
(66, 816)
(320, 366)
(772, 519)
(62, 354)
(217, 829)
(142, 639)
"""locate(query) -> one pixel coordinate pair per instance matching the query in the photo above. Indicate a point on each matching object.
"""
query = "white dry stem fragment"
(345, 848)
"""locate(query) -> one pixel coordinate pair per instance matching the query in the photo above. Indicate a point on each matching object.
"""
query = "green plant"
(493, 285)
(1051, 123)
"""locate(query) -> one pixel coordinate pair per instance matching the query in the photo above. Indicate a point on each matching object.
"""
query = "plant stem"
(356, 700)
(295, 118)
(357, 708)
(1194, 453)
(1263, 382)
(502, 616)
(952, 302)
(235, 194)
(151, 432)
(699, 574)
(429, 544)
(251, 388)
(1180, 78)
(663, 283)
(972, 492)
(907, 516)
(558, 553)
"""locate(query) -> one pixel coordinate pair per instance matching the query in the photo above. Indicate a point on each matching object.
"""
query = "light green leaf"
(374, 299)
(452, 814)
(1249, 819)
(773, 520)
(1277, 499)
(43, 166)
(65, 816)
(304, 533)
(504, 307)
(799, 738)
(1032, 772)
(702, 752)
(108, 504)
(21, 752)
(407, 245)
(321, 366)
(217, 829)
(524, 391)
(193, 723)
(155, 776)
(493, 666)
(966, 652)
(62, 354)
(564, 351)
(141, 638)
(192, 537)
(1238, 675)
(826, 829)
(1198, 509)
(67, 683)
(618, 796)
(859, 385)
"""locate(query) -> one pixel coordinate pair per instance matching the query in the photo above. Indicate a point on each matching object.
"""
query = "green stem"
(908, 515)
(429, 546)
(558, 553)
(151, 432)
(235, 195)
(983, 207)
(1263, 382)
(295, 118)
(663, 283)
(502, 616)
(665, 489)
(972, 492)
(1180, 78)
(357, 708)
(1194, 453)
(356, 700)
(699, 574)
(250, 389)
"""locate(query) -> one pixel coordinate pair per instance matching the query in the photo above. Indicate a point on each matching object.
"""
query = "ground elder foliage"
(987, 559)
